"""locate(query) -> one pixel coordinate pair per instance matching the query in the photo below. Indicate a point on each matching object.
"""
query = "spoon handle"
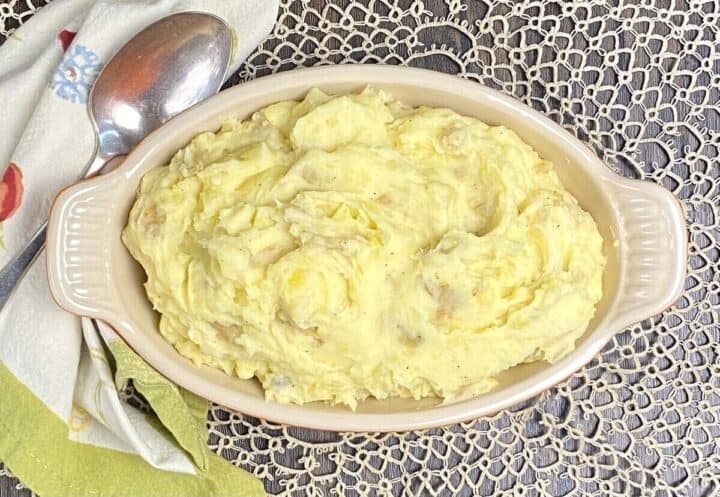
(14, 270)
(94, 165)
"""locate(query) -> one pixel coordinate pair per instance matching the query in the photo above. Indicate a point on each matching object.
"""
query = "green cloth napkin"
(35, 444)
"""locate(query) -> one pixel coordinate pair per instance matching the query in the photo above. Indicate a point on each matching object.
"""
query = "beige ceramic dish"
(92, 274)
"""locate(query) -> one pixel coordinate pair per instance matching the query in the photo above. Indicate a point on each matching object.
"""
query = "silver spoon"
(167, 67)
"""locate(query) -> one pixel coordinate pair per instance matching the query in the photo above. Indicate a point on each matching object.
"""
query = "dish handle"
(79, 247)
(652, 245)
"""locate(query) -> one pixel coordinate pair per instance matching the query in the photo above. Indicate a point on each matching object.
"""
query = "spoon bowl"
(169, 66)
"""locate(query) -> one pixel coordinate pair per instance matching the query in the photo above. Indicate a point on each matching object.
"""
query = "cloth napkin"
(64, 429)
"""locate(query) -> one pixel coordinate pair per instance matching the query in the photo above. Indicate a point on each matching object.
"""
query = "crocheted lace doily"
(639, 81)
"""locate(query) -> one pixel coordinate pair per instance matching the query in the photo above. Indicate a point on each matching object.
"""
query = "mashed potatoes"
(345, 247)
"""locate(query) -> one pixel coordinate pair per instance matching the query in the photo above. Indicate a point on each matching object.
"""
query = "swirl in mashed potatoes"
(347, 247)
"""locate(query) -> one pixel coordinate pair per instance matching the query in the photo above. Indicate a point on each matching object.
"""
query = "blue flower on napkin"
(76, 73)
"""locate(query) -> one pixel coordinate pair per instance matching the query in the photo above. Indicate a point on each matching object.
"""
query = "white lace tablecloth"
(639, 81)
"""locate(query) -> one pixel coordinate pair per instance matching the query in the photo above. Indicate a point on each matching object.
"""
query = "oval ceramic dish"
(92, 274)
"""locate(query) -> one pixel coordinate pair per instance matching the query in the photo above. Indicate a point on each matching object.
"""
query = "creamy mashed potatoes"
(345, 247)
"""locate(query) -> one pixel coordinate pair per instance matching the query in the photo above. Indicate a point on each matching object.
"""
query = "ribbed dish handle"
(653, 250)
(78, 248)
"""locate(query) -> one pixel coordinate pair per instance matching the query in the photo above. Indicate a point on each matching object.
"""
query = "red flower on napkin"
(11, 190)
(66, 38)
